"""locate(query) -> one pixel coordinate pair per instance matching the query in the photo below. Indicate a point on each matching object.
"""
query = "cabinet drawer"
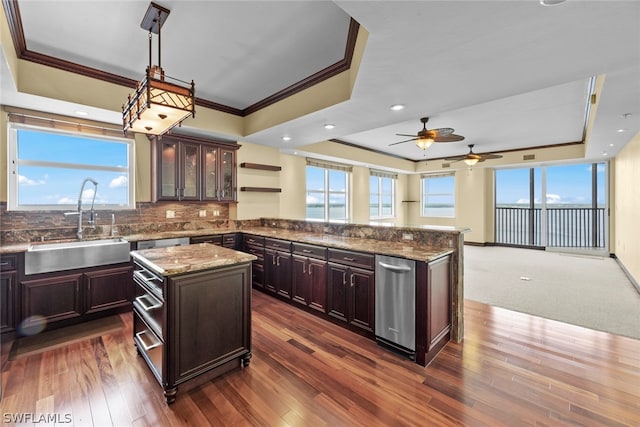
(253, 240)
(229, 240)
(149, 308)
(284, 245)
(149, 345)
(8, 262)
(215, 239)
(255, 250)
(311, 251)
(356, 259)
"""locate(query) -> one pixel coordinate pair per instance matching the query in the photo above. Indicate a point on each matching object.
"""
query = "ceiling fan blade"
(449, 138)
(455, 159)
(404, 134)
(400, 142)
(490, 156)
(443, 131)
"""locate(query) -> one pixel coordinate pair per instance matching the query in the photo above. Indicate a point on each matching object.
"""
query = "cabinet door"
(214, 240)
(168, 175)
(317, 274)
(337, 291)
(300, 291)
(227, 174)
(270, 270)
(210, 172)
(7, 294)
(283, 274)
(361, 285)
(109, 288)
(50, 299)
(190, 171)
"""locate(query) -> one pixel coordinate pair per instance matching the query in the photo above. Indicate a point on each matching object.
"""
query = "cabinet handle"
(344, 278)
(146, 347)
(273, 260)
(306, 251)
(303, 267)
(278, 261)
(223, 191)
(348, 259)
(251, 241)
(310, 265)
(146, 307)
(352, 280)
(4, 263)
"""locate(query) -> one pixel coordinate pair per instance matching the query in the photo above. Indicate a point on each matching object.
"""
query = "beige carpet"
(583, 290)
(49, 340)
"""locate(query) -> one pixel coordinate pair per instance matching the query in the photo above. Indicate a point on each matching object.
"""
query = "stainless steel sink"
(47, 257)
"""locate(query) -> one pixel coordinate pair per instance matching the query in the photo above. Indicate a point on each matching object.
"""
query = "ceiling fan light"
(424, 143)
(471, 161)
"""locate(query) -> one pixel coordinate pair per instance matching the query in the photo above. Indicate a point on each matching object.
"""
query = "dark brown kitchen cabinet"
(277, 267)
(228, 240)
(190, 168)
(8, 275)
(351, 295)
(309, 274)
(108, 288)
(255, 245)
(192, 326)
(51, 299)
(74, 296)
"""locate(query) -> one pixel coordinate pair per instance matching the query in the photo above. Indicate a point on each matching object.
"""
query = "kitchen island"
(192, 312)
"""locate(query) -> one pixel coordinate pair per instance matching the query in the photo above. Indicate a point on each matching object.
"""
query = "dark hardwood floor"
(511, 369)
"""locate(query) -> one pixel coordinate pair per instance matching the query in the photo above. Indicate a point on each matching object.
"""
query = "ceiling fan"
(425, 137)
(472, 158)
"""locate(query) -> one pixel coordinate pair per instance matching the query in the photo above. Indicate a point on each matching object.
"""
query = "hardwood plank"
(511, 369)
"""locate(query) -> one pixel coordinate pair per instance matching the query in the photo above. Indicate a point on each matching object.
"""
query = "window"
(381, 194)
(48, 166)
(438, 195)
(327, 191)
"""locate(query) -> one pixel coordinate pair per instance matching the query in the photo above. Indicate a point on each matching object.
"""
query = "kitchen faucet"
(92, 220)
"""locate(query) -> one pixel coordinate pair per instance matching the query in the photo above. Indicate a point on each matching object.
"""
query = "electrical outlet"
(171, 214)
(202, 213)
(325, 229)
(216, 213)
(407, 236)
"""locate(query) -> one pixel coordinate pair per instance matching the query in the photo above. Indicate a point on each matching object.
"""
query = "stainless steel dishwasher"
(395, 303)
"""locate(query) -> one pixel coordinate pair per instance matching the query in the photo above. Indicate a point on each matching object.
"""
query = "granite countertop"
(405, 249)
(176, 260)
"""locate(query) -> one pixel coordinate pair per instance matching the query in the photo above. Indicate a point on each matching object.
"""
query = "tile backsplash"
(32, 226)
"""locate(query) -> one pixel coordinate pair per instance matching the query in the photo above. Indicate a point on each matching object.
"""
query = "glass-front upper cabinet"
(189, 168)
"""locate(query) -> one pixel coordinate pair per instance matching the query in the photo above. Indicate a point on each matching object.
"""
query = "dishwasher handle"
(395, 268)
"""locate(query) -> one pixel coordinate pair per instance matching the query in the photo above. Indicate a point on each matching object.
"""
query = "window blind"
(383, 174)
(329, 165)
(437, 174)
(68, 125)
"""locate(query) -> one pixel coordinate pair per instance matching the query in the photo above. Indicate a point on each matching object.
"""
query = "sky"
(565, 184)
(53, 166)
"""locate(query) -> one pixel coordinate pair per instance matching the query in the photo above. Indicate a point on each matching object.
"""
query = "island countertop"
(174, 260)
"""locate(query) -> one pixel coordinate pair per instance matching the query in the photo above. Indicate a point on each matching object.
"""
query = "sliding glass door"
(552, 206)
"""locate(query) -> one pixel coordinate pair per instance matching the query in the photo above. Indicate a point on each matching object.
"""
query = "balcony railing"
(565, 227)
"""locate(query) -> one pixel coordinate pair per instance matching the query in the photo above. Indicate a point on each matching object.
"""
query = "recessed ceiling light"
(604, 153)
(286, 138)
(620, 130)
(82, 113)
(612, 145)
(329, 126)
(397, 107)
(551, 2)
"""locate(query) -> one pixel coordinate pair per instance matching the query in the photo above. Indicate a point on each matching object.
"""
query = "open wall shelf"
(260, 166)
(262, 189)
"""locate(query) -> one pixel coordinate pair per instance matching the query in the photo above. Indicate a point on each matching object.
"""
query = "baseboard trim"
(627, 273)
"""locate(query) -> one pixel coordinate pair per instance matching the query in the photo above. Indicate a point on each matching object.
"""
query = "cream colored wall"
(294, 187)
(257, 204)
(4, 118)
(627, 206)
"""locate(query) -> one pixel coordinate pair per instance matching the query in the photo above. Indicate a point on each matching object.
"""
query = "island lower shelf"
(192, 326)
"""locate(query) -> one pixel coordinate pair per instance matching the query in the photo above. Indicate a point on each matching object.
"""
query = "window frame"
(327, 192)
(13, 165)
(380, 194)
(424, 194)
